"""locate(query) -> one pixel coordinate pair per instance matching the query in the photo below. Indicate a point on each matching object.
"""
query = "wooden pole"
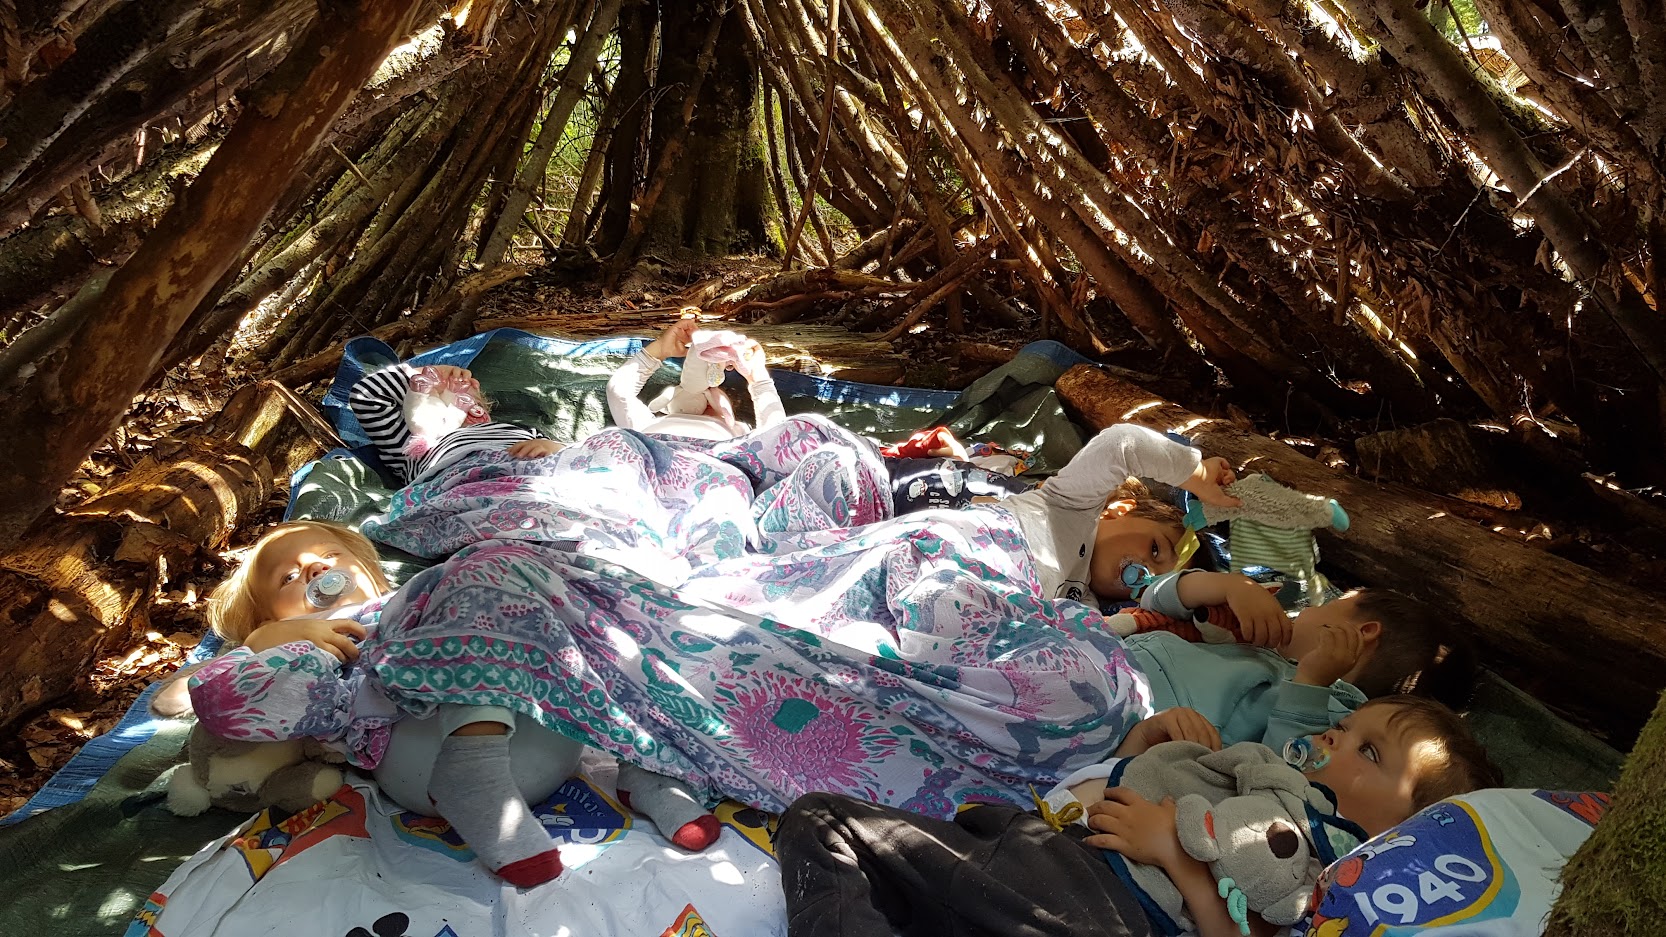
(64, 402)
(569, 90)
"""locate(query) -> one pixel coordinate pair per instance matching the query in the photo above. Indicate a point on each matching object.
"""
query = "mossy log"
(78, 587)
(1616, 883)
(1585, 644)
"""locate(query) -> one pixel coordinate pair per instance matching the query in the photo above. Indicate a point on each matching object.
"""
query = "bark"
(465, 295)
(623, 149)
(65, 403)
(1122, 119)
(79, 587)
(45, 109)
(570, 88)
(667, 158)
(824, 137)
(1532, 48)
(1616, 882)
(1520, 604)
(188, 77)
(1235, 41)
(54, 257)
(336, 221)
(582, 209)
(1407, 34)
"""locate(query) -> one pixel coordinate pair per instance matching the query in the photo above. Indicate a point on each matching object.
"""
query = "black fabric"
(918, 484)
(856, 869)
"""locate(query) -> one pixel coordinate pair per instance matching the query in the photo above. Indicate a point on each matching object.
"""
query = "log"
(79, 586)
(1443, 456)
(1614, 883)
(1583, 643)
(66, 399)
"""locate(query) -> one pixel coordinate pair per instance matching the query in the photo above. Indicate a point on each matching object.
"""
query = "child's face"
(1123, 540)
(1374, 767)
(287, 562)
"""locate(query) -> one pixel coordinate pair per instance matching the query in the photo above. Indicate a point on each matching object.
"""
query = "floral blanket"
(743, 615)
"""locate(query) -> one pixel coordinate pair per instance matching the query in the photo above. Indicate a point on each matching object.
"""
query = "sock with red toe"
(668, 802)
(472, 789)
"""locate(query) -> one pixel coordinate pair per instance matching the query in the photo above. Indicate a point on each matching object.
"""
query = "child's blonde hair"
(233, 609)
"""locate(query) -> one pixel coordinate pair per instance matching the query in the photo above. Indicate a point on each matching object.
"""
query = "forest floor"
(563, 299)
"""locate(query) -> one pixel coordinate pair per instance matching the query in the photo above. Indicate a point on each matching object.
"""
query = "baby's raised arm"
(767, 409)
(624, 389)
(1113, 455)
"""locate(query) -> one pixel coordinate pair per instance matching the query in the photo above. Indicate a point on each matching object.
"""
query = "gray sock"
(473, 790)
(680, 817)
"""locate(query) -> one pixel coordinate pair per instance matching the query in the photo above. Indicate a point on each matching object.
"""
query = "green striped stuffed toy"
(1274, 528)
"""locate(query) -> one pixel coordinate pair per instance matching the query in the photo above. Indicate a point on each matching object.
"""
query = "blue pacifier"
(328, 589)
(1136, 577)
(1305, 754)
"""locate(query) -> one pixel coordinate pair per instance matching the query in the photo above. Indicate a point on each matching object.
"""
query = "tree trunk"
(1581, 642)
(64, 403)
(79, 587)
(1616, 883)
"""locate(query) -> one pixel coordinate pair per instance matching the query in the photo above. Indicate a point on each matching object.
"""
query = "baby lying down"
(1185, 840)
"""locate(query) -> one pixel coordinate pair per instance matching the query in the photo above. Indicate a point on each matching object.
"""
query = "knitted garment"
(1274, 528)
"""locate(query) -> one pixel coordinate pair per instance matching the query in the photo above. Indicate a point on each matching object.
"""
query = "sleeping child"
(1290, 677)
(697, 407)
(1241, 849)
(424, 419)
(1298, 675)
(306, 667)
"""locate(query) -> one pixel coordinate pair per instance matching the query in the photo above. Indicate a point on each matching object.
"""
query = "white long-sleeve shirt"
(1060, 520)
(624, 403)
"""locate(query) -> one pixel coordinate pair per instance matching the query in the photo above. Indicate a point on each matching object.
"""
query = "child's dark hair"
(1416, 651)
(1455, 761)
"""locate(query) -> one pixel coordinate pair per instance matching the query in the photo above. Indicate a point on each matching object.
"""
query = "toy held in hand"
(439, 402)
(710, 353)
(1273, 528)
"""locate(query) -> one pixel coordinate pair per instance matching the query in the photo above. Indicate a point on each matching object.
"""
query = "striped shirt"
(378, 400)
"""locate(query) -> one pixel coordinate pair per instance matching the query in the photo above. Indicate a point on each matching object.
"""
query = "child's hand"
(1206, 482)
(1135, 827)
(674, 341)
(1261, 620)
(446, 373)
(1332, 658)
(533, 449)
(1179, 724)
(753, 365)
(339, 636)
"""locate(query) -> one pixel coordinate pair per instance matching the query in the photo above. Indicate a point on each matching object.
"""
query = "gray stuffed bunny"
(1246, 814)
(250, 776)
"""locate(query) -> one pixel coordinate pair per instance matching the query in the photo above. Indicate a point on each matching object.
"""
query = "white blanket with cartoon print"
(357, 866)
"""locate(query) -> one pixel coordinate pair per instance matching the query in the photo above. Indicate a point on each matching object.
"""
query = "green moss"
(1616, 883)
